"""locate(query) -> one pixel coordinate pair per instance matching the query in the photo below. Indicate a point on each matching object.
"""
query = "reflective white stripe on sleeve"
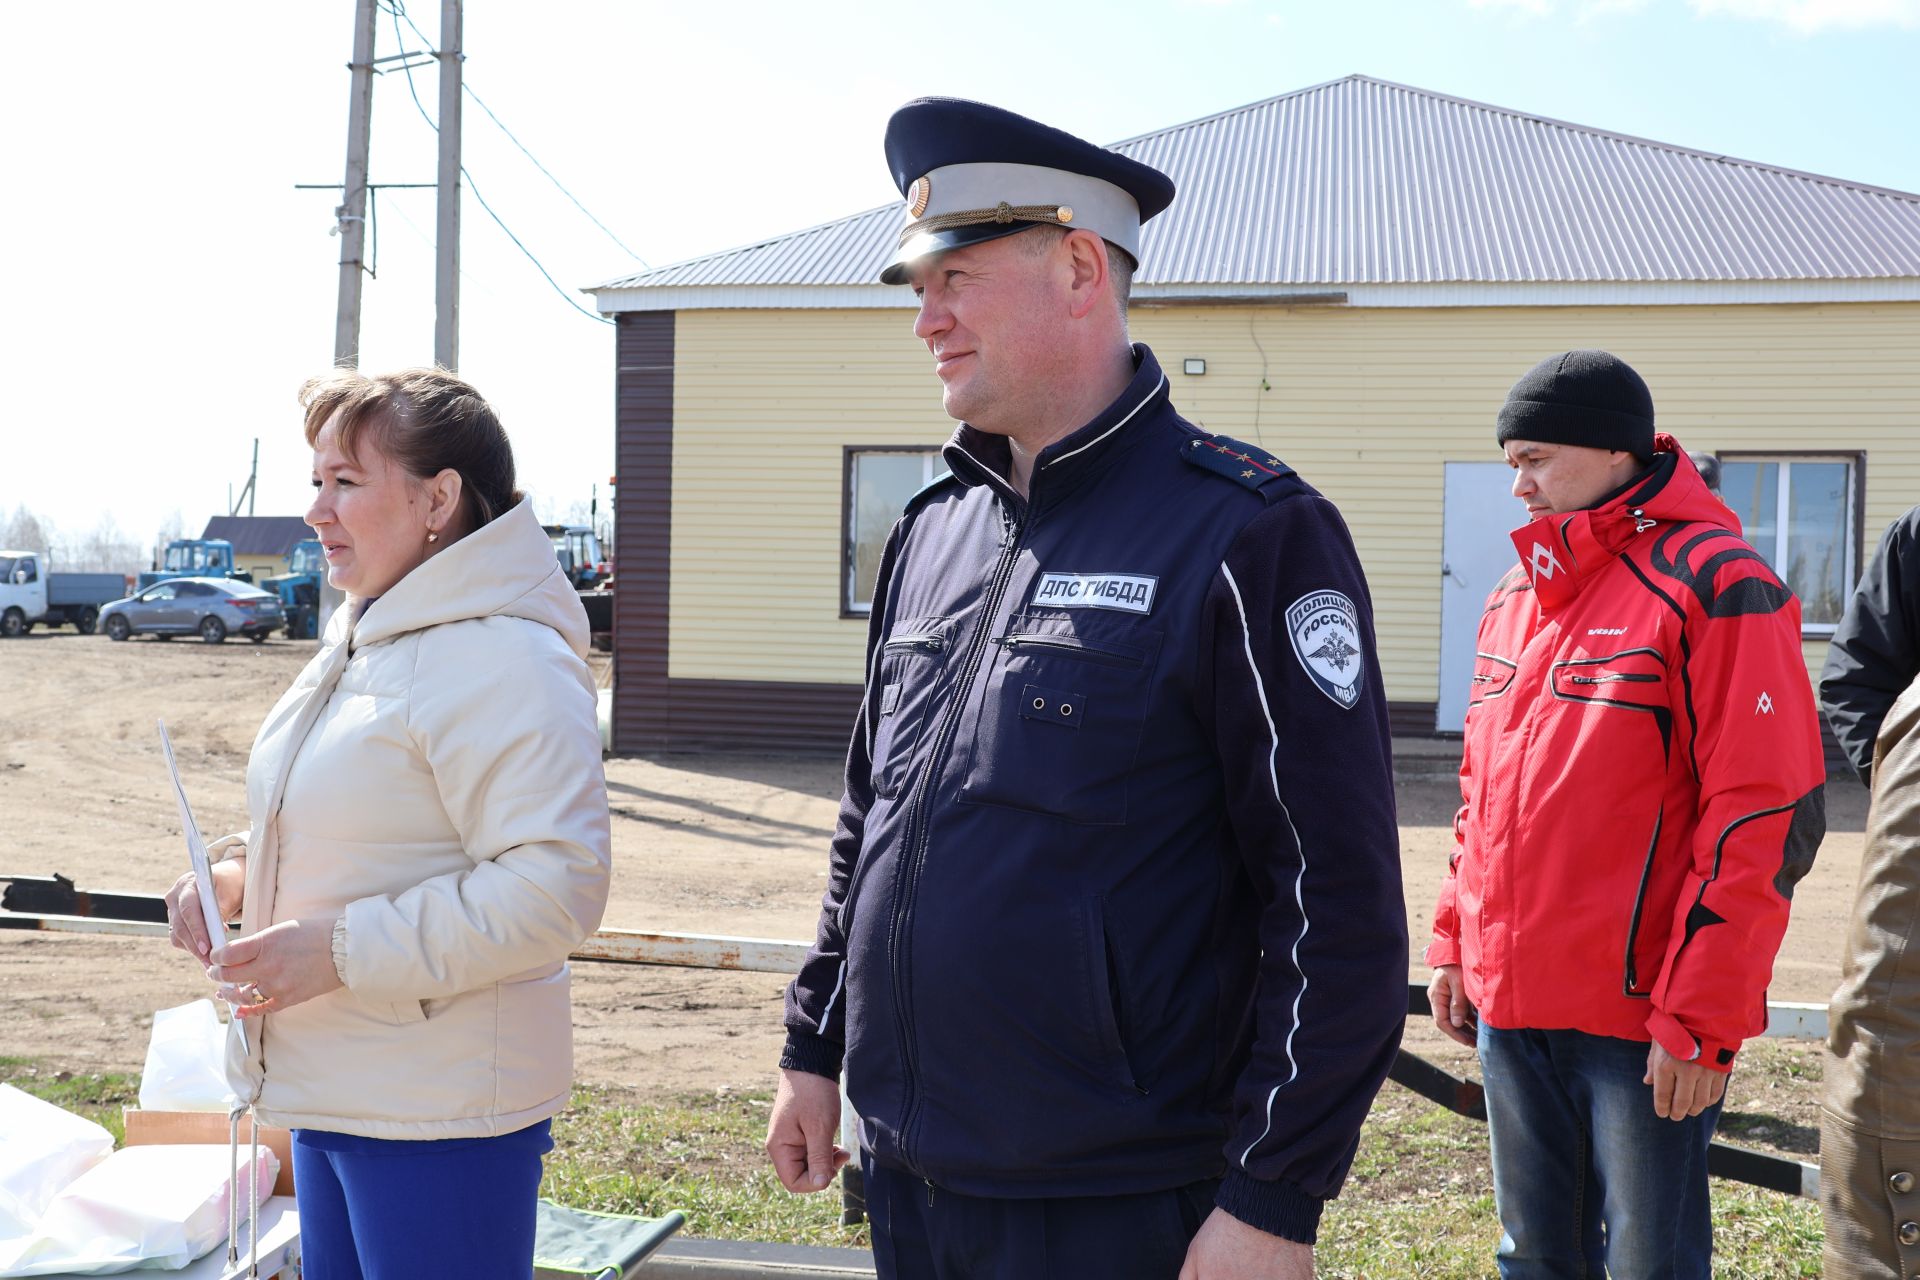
(1273, 752)
(833, 999)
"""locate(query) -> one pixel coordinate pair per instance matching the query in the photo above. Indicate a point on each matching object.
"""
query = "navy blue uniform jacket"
(1115, 901)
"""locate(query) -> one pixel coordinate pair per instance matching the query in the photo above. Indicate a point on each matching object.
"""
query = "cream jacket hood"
(433, 776)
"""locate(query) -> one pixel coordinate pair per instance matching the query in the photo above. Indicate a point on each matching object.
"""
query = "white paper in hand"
(197, 862)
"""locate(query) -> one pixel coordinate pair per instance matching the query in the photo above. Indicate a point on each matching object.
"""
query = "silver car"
(212, 608)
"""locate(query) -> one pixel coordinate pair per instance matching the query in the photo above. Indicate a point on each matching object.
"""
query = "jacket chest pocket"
(912, 661)
(1060, 719)
(1492, 674)
(1631, 682)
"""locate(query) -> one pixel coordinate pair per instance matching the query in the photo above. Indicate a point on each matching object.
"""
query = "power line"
(398, 11)
(555, 181)
(394, 8)
(471, 186)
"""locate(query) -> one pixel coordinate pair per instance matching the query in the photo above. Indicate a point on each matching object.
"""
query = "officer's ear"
(1090, 281)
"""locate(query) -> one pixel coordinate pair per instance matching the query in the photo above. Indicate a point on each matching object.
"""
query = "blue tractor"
(195, 558)
(299, 589)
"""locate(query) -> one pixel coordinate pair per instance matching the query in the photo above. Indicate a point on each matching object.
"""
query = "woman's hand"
(186, 925)
(279, 967)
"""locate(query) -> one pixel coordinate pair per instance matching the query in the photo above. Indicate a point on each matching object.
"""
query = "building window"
(1801, 513)
(877, 486)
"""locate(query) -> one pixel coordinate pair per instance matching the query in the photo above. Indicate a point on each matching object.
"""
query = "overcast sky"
(168, 289)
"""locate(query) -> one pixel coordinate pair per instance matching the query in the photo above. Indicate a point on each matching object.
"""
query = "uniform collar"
(976, 457)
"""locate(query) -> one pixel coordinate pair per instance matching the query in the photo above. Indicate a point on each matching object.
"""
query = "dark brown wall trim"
(1413, 720)
(643, 533)
(767, 715)
(771, 715)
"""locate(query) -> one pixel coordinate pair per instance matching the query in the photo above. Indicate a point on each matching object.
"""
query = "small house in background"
(1350, 278)
(261, 544)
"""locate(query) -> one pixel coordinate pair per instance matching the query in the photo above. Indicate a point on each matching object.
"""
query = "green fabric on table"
(580, 1242)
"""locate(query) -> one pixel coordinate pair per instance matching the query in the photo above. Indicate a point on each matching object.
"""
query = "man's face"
(986, 313)
(1554, 479)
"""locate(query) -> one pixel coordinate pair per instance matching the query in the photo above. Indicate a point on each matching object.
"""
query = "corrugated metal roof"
(1365, 182)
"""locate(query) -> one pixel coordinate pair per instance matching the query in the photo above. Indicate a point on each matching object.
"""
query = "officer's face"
(984, 312)
(1553, 479)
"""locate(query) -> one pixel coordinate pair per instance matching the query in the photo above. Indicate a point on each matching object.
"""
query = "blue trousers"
(1588, 1181)
(930, 1233)
(375, 1209)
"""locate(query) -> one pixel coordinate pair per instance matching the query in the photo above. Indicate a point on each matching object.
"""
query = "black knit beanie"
(1587, 398)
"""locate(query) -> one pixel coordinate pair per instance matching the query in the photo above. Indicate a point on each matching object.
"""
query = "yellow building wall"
(262, 567)
(1367, 404)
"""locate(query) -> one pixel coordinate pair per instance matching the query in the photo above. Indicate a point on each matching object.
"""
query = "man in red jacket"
(1642, 779)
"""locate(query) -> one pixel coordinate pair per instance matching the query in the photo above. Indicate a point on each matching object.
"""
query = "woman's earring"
(433, 537)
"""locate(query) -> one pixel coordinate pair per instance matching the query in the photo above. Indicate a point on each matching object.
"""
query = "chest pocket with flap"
(1061, 716)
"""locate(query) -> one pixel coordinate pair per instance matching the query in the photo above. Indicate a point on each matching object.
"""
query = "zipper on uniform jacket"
(1074, 648)
(924, 643)
(1614, 677)
(908, 882)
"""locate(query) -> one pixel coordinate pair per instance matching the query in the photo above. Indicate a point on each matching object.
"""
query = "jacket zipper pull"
(1640, 521)
(929, 1182)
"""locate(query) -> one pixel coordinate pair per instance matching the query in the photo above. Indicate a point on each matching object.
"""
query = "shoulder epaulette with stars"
(1243, 463)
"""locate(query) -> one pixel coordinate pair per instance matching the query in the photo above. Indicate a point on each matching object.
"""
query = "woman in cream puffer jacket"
(428, 842)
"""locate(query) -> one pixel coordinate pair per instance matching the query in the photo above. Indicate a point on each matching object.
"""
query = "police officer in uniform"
(1113, 949)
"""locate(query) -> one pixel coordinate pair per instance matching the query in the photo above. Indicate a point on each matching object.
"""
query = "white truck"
(30, 595)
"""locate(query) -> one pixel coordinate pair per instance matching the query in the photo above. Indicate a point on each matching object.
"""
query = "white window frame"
(1850, 536)
(851, 606)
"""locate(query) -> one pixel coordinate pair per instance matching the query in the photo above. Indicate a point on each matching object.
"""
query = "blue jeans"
(1588, 1181)
(380, 1209)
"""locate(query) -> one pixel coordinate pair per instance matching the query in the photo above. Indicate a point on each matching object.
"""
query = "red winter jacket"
(1642, 776)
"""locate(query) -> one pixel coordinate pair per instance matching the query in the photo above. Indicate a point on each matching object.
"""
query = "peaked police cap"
(972, 172)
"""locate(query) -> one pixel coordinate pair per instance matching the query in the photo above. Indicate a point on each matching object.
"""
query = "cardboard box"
(146, 1128)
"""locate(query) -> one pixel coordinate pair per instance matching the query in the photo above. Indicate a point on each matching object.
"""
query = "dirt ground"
(724, 844)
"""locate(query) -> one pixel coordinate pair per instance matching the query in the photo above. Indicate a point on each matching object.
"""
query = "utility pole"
(446, 271)
(352, 211)
(246, 494)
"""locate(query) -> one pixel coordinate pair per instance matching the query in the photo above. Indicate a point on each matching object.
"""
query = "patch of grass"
(699, 1153)
(97, 1095)
(1418, 1202)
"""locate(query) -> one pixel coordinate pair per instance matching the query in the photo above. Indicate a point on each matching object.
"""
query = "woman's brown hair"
(427, 421)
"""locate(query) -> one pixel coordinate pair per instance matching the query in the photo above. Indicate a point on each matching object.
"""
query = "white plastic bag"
(151, 1207)
(42, 1149)
(186, 1061)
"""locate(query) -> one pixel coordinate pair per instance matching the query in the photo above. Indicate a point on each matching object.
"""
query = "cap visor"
(928, 243)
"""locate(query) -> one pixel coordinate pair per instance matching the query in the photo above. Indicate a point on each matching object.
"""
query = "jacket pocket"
(1633, 681)
(1106, 999)
(1060, 719)
(907, 674)
(1640, 969)
(1491, 676)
